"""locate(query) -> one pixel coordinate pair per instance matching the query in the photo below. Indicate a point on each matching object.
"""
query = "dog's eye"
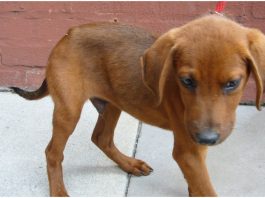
(188, 82)
(231, 85)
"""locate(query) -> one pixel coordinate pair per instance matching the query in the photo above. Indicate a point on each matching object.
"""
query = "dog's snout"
(207, 137)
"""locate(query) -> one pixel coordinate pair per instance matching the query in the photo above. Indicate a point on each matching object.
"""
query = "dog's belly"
(152, 116)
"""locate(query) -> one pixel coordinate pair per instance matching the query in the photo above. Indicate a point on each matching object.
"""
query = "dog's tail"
(33, 95)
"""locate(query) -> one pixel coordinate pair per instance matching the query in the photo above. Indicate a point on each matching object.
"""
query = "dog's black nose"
(207, 137)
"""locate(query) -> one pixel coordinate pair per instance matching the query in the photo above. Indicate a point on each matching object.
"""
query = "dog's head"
(209, 61)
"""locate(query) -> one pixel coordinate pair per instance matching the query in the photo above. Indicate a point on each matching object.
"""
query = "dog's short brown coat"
(120, 67)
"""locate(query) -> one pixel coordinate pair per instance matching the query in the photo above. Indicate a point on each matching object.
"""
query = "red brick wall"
(29, 30)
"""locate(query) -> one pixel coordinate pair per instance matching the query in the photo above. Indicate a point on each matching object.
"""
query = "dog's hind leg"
(64, 122)
(103, 137)
(69, 100)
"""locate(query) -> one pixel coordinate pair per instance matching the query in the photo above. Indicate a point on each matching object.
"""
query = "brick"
(12, 76)
(257, 10)
(34, 77)
(25, 56)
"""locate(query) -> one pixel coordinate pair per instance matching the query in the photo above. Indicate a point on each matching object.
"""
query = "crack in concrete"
(25, 66)
(139, 130)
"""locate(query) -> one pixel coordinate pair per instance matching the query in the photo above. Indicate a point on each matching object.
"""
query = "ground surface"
(237, 167)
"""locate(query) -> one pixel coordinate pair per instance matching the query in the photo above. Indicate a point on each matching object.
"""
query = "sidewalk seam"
(139, 130)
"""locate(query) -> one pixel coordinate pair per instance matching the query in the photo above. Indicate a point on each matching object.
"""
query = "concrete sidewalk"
(237, 166)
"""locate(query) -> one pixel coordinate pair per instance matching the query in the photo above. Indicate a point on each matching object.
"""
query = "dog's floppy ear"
(157, 65)
(257, 61)
(259, 85)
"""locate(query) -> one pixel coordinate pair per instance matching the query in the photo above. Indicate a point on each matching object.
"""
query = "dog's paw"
(137, 167)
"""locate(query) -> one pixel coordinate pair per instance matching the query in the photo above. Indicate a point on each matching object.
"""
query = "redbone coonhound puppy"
(189, 80)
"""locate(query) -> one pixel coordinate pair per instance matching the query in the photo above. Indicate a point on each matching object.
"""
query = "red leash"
(220, 6)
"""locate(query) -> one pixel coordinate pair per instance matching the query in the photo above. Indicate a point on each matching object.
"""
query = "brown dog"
(190, 80)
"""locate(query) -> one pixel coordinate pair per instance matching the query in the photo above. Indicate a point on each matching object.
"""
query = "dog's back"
(109, 51)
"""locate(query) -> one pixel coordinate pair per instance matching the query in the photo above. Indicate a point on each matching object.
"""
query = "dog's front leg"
(191, 159)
